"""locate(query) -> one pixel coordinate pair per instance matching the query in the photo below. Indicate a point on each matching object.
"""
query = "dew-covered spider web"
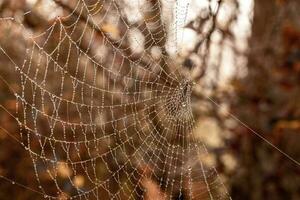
(102, 109)
(102, 103)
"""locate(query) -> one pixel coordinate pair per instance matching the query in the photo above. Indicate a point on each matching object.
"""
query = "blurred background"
(244, 57)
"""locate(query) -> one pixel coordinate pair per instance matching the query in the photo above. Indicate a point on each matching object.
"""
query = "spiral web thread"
(101, 120)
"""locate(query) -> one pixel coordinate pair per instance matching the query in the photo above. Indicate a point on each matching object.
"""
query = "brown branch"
(207, 40)
(157, 34)
(125, 49)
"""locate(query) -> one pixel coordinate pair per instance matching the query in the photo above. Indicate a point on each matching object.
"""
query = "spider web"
(103, 109)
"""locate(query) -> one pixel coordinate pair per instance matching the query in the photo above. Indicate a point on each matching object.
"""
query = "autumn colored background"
(262, 91)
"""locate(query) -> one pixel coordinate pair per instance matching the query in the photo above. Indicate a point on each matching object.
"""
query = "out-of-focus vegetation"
(265, 97)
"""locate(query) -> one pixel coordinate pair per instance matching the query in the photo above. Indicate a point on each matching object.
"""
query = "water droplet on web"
(13, 183)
